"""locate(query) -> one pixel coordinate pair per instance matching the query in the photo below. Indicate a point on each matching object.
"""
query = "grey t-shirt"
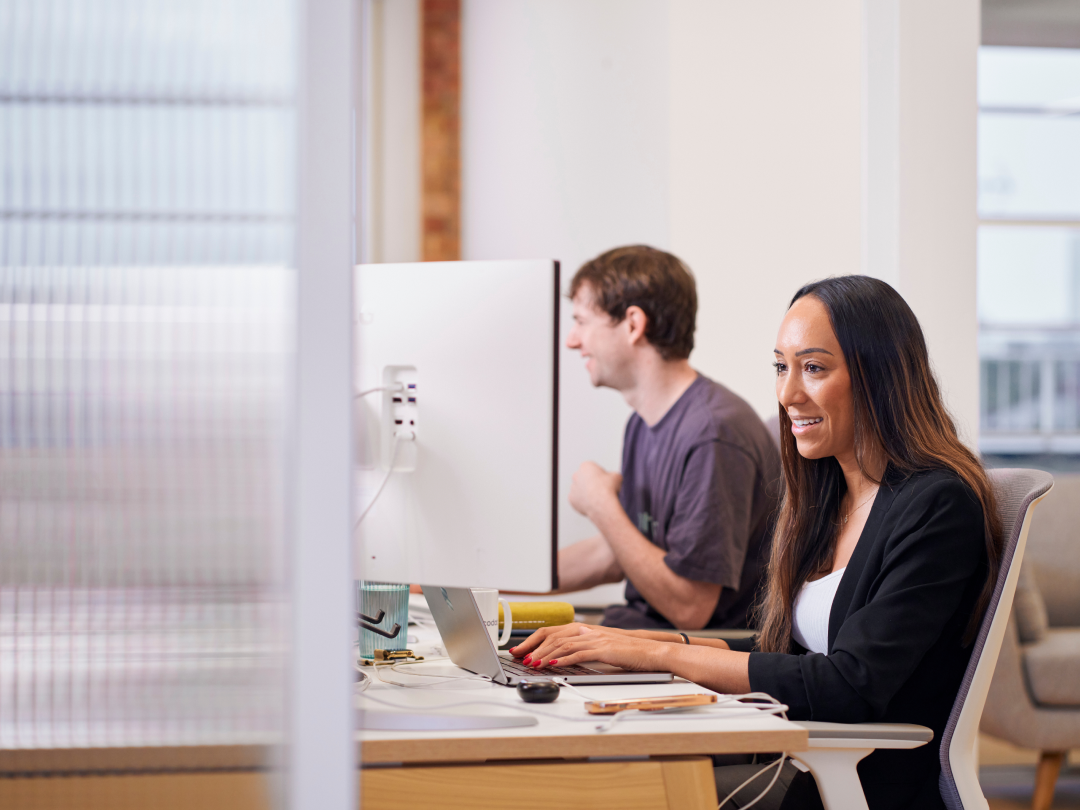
(703, 484)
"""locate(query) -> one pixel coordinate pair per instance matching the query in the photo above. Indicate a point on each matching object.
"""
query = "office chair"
(837, 748)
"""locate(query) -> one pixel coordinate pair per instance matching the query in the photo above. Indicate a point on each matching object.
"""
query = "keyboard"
(515, 668)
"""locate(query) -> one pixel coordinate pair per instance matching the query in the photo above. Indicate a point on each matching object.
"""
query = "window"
(1029, 250)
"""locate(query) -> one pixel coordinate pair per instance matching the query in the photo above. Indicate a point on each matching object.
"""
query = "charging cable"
(778, 765)
(398, 439)
(601, 728)
(443, 678)
(396, 388)
(765, 701)
(767, 704)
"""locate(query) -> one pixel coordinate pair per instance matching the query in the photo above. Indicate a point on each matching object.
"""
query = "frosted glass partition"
(147, 244)
(147, 133)
(142, 428)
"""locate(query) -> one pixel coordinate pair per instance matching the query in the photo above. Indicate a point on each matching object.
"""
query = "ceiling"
(1031, 23)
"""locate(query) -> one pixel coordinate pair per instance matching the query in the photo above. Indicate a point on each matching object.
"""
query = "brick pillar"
(440, 145)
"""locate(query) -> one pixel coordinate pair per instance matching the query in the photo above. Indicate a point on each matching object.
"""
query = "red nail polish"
(552, 663)
(527, 659)
(513, 649)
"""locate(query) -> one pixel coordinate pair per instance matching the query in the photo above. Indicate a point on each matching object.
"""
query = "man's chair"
(836, 748)
(1034, 699)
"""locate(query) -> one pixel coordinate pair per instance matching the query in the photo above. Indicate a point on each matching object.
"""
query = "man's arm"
(586, 564)
(686, 603)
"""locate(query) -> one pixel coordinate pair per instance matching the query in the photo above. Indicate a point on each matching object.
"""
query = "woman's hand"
(575, 643)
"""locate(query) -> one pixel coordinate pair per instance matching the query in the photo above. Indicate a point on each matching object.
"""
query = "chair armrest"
(835, 750)
(866, 735)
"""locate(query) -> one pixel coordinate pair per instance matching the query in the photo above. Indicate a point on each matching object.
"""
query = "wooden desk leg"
(677, 783)
(689, 783)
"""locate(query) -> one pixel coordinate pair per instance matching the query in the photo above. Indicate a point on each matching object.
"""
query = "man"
(688, 521)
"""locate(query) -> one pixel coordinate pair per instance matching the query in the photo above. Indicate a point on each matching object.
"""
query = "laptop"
(470, 647)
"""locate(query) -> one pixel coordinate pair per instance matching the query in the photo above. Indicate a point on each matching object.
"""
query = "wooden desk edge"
(146, 759)
(161, 759)
(478, 749)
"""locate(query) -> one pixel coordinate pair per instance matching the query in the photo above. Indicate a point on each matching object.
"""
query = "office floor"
(1007, 775)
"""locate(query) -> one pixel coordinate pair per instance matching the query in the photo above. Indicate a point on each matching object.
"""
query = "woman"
(884, 556)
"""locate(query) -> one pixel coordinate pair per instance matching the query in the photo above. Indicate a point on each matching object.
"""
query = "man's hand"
(586, 564)
(594, 489)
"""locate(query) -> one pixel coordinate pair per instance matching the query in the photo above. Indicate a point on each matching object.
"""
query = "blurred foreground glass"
(384, 606)
(147, 228)
(142, 428)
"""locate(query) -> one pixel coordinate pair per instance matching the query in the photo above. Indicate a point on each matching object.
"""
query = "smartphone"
(653, 704)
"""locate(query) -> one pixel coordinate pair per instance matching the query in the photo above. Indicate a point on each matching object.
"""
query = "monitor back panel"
(472, 498)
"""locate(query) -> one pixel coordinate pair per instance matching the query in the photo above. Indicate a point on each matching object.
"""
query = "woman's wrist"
(668, 638)
(653, 635)
(659, 658)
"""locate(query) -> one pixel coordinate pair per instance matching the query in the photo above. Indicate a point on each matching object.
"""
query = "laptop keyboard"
(520, 669)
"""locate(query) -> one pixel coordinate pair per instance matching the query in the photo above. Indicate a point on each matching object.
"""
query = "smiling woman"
(884, 551)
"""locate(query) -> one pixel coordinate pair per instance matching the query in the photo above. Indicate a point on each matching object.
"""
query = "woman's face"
(812, 382)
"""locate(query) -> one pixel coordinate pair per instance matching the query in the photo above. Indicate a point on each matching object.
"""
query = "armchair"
(1034, 698)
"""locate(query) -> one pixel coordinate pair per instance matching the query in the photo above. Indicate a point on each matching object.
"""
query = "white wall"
(920, 176)
(564, 155)
(938, 58)
(392, 83)
(765, 167)
(810, 140)
(767, 144)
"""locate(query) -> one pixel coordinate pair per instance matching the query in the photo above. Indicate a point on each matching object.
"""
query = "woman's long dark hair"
(897, 407)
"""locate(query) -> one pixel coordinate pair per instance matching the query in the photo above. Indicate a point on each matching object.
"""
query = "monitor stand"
(377, 720)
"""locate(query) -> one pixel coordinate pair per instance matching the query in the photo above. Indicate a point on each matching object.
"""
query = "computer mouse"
(538, 691)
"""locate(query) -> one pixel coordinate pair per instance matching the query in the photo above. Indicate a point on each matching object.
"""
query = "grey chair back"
(1016, 490)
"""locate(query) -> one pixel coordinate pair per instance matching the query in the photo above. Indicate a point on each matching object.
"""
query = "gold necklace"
(861, 505)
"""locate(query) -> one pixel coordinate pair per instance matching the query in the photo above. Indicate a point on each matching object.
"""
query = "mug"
(488, 601)
(393, 601)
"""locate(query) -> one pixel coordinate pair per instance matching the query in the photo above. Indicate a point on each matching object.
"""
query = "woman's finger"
(542, 650)
(528, 644)
(543, 646)
(533, 641)
(570, 659)
(557, 652)
(542, 653)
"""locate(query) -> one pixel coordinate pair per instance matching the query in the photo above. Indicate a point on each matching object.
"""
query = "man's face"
(603, 342)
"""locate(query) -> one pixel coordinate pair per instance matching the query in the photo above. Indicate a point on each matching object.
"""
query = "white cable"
(398, 438)
(445, 678)
(396, 388)
(364, 681)
(488, 703)
(601, 728)
(689, 712)
(779, 765)
(562, 681)
(775, 706)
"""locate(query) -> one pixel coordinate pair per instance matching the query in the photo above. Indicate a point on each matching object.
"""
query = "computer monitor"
(462, 424)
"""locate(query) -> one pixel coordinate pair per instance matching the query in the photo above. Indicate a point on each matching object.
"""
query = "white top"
(810, 625)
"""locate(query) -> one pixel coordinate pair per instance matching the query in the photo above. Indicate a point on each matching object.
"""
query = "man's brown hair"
(657, 282)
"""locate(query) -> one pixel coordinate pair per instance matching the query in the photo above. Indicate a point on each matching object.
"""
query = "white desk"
(645, 760)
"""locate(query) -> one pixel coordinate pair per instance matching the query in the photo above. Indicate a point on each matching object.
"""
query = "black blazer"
(895, 633)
